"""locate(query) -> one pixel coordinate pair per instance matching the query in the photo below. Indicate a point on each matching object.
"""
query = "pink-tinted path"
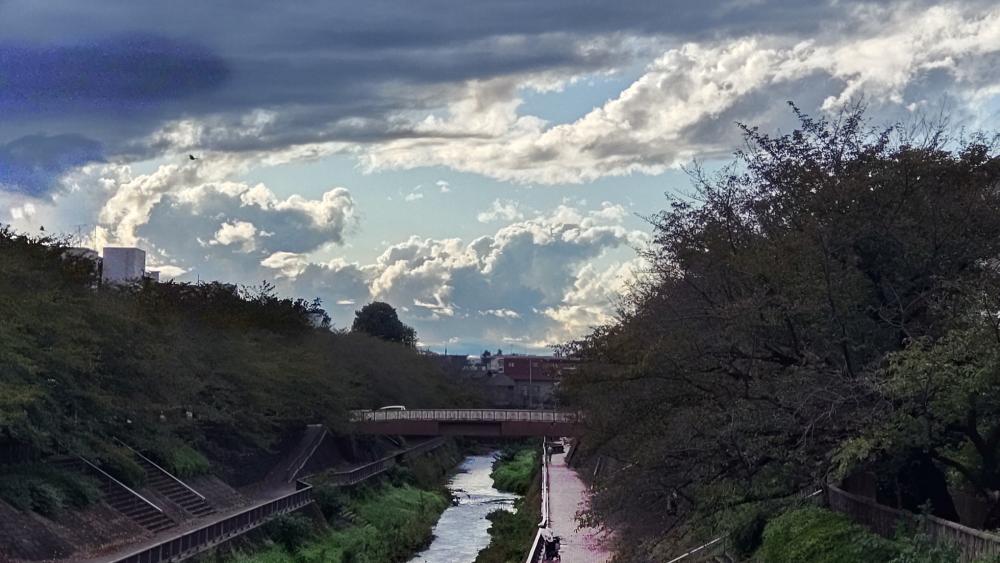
(567, 496)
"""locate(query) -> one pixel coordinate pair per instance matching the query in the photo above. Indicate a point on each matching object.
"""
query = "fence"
(476, 415)
(217, 532)
(885, 520)
(537, 548)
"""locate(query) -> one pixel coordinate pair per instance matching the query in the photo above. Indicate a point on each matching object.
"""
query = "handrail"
(120, 484)
(184, 541)
(696, 550)
(539, 542)
(306, 454)
(167, 473)
(483, 415)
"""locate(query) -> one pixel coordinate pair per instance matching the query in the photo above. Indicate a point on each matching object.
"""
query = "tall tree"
(755, 347)
(380, 320)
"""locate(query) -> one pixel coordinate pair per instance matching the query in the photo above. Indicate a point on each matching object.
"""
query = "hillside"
(196, 375)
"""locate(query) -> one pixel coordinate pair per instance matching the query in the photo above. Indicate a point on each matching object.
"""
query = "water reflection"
(463, 528)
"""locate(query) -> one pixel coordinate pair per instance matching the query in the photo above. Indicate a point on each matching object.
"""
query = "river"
(463, 528)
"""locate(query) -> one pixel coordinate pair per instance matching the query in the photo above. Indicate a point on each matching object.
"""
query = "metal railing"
(359, 474)
(538, 544)
(108, 476)
(210, 535)
(162, 470)
(476, 415)
(303, 458)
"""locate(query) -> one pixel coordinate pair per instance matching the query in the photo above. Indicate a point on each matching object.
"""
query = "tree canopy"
(796, 305)
(380, 320)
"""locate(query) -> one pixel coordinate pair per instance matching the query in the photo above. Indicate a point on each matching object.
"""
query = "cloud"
(506, 210)
(33, 164)
(414, 196)
(239, 233)
(528, 278)
(685, 103)
(216, 228)
(443, 186)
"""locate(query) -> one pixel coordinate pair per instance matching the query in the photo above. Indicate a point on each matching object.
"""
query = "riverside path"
(567, 496)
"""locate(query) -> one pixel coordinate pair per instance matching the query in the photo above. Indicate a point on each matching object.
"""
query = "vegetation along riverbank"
(516, 470)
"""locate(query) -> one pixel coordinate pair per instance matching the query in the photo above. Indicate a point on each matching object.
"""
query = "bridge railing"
(471, 415)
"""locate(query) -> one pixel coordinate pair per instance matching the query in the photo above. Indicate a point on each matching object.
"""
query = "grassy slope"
(80, 365)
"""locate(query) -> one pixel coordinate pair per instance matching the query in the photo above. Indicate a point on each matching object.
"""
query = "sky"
(484, 167)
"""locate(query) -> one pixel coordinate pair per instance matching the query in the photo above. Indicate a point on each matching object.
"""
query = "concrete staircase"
(169, 487)
(126, 502)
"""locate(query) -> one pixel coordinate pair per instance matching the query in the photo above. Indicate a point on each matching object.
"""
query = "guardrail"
(476, 415)
(358, 474)
(538, 545)
(210, 535)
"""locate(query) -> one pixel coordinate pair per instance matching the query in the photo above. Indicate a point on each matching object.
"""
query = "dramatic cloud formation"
(685, 103)
(103, 102)
(535, 272)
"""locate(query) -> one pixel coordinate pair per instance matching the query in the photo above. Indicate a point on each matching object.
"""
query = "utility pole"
(529, 382)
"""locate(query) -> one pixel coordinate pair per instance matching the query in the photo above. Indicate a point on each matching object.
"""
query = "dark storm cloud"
(119, 70)
(31, 164)
(105, 76)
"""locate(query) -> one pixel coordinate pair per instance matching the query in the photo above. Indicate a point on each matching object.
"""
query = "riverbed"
(462, 530)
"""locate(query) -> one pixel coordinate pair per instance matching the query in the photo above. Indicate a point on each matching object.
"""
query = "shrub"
(747, 531)
(816, 535)
(290, 530)
(184, 461)
(514, 470)
(46, 498)
(46, 489)
(119, 463)
(329, 500)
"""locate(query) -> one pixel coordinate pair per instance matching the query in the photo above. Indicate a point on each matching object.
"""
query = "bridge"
(467, 422)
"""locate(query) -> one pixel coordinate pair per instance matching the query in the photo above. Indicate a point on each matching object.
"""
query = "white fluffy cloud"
(190, 218)
(506, 210)
(533, 279)
(685, 103)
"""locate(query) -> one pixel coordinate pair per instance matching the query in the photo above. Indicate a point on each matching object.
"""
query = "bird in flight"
(192, 157)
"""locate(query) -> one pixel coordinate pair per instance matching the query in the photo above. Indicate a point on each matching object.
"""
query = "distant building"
(123, 265)
(533, 379)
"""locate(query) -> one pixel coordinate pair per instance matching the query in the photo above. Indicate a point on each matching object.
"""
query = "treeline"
(827, 305)
(184, 371)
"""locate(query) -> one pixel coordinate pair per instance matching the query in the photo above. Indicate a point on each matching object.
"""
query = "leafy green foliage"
(290, 530)
(82, 364)
(379, 319)
(509, 531)
(815, 535)
(515, 469)
(789, 327)
(46, 489)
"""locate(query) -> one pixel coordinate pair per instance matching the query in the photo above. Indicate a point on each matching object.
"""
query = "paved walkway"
(567, 496)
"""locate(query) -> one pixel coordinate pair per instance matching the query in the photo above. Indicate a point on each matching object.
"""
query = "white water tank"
(123, 264)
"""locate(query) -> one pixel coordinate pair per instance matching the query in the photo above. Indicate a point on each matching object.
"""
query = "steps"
(165, 485)
(135, 508)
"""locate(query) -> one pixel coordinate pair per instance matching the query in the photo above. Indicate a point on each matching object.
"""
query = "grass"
(391, 520)
(515, 469)
(518, 471)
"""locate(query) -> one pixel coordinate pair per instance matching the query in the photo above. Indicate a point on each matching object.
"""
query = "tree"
(379, 319)
(754, 348)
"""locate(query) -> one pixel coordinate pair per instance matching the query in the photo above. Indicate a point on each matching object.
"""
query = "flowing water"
(463, 528)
